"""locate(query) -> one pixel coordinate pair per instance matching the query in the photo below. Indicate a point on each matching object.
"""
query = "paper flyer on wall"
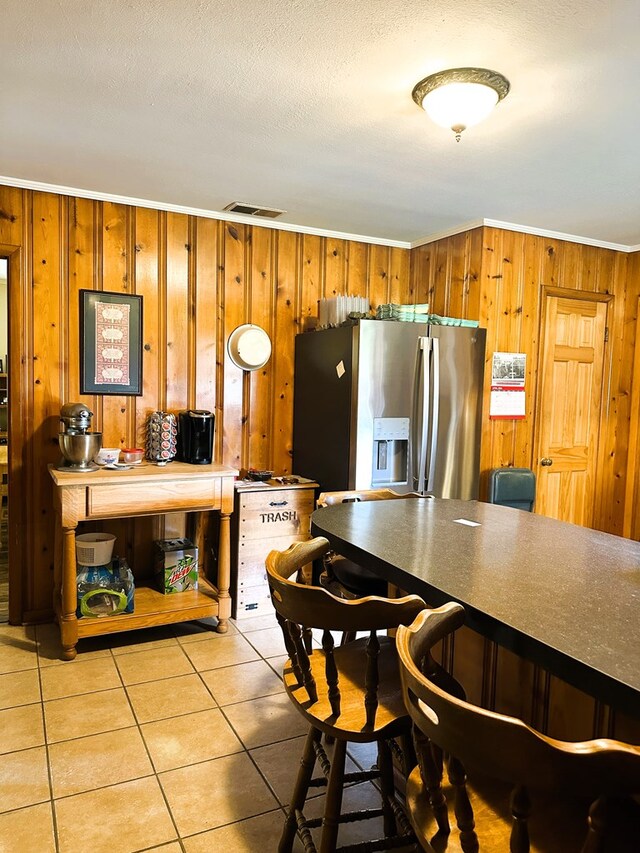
(507, 399)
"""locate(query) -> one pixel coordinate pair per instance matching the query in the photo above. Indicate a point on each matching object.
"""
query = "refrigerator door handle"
(435, 413)
(425, 344)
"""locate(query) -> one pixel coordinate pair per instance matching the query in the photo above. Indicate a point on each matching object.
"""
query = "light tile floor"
(169, 739)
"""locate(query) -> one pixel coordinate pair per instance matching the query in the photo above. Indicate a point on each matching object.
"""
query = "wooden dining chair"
(349, 693)
(342, 576)
(511, 766)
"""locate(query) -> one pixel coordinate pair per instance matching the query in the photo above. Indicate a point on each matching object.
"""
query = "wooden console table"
(144, 490)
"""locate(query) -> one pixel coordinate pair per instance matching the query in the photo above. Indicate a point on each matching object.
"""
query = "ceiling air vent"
(253, 210)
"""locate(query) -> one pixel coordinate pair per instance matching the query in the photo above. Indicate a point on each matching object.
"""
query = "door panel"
(567, 428)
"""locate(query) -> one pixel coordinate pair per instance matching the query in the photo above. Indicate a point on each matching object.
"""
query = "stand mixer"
(78, 445)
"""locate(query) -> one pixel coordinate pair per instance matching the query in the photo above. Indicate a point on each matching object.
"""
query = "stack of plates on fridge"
(436, 320)
(406, 313)
(333, 312)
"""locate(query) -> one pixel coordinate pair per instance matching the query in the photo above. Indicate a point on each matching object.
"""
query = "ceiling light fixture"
(460, 97)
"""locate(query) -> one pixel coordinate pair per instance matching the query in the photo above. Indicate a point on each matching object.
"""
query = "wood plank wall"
(495, 276)
(200, 278)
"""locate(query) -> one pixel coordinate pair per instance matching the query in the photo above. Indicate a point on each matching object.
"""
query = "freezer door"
(384, 365)
(322, 410)
(453, 462)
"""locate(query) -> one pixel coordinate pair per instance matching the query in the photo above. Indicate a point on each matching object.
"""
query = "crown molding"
(38, 186)
(557, 235)
(450, 232)
(525, 229)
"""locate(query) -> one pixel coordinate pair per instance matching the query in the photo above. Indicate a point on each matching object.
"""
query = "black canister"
(195, 436)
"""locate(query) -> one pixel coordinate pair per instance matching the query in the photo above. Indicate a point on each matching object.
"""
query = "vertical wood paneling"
(399, 262)
(335, 266)
(311, 278)
(258, 405)
(286, 326)
(378, 275)
(505, 272)
(178, 319)
(81, 262)
(358, 269)
(233, 313)
(205, 325)
(200, 279)
(46, 376)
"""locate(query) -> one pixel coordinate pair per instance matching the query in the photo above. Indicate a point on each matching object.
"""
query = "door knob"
(546, 461)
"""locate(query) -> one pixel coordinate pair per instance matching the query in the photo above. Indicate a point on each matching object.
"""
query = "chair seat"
(391, 715)
(356, 578)
(556, 824)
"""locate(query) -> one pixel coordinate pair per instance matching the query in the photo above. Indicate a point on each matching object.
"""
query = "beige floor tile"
(24, 780)
(26, 633)
(143, 640)
(174, 847)
(96, 761)
(269, 642)
(266, 720)
(50, 648)
(91, 714)
(79, 676)
(219, 651)
(242, 682)
(135, 818)
(186, 740)
(258, 623)
(21, 728)
(364, 754)
(205, 796)
(277, 664)
(29, 829)
(279, 764)
(17, 648)
(245, 836)
(170, 697)
(152, 665)
(201, 629)
(19, 688)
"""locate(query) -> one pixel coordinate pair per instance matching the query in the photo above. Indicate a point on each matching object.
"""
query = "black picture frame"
(90, 380)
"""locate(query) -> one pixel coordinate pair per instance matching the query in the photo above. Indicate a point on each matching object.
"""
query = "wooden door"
(570, 399)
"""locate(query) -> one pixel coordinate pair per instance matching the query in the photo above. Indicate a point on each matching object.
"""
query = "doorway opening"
(4, 432)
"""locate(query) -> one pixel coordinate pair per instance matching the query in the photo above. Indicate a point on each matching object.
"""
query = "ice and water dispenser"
(390, 451)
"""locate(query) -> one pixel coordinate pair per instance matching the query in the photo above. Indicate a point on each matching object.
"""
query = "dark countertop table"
(563, 596)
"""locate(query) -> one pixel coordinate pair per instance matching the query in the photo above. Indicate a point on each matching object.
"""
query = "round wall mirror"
(249, 347)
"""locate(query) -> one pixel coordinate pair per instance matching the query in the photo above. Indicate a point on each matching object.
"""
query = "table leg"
(68, 620)
(224, 574)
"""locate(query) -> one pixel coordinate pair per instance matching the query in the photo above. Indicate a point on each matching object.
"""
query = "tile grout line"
(54, 816)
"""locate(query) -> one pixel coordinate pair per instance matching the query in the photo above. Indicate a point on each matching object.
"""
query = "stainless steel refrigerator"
(390, 404)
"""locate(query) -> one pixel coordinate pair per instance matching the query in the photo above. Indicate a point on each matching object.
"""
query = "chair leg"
(307, 763)
(385, 763)
(333, 804)
(520, 811)
(431, 773)
(464, 812)
(597, 826)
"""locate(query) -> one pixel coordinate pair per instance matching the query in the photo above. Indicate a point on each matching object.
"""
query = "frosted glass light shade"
(460, 97)
(460, 105)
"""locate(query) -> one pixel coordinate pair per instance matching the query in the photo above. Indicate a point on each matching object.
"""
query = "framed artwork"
(110, 343)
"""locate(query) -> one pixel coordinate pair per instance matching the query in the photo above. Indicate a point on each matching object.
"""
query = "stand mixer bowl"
(79, 449)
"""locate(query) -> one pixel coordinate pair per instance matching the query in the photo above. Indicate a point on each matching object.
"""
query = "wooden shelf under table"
(152, 607)
(147, 490)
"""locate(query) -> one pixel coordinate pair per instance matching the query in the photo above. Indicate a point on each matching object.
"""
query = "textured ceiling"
(306, 105)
